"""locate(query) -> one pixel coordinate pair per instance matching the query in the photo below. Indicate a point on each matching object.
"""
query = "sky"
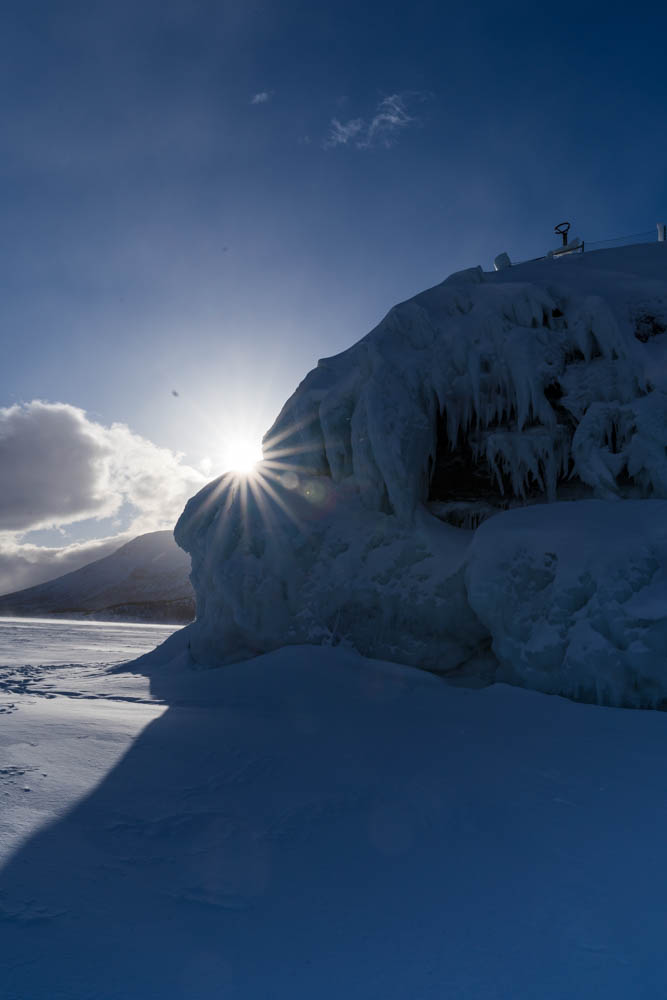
(200, 199)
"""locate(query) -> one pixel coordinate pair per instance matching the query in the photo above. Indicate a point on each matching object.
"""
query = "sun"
(241, 453)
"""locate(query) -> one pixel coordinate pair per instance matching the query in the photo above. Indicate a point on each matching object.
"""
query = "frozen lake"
(42, 641)
(58, 694)
(311, 823)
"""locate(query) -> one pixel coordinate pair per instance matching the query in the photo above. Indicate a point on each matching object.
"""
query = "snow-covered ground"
(45, 642)
(311, 823)
(56, 697)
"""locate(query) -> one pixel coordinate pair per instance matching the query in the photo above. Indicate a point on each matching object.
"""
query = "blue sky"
(209, 196)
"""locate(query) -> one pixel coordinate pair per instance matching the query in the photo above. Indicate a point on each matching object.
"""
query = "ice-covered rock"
(306, 562)
(526, 388)
(575, 597)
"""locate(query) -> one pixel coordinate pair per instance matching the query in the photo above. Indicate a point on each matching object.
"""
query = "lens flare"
(241, 454)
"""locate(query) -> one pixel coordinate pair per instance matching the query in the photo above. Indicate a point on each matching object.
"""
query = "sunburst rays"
(249, 498)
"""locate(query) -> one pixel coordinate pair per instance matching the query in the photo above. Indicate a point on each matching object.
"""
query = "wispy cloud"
(342, 133)
(391, 117)
(262, 97)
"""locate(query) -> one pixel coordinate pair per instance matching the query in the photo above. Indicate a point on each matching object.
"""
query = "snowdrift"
(476, 485)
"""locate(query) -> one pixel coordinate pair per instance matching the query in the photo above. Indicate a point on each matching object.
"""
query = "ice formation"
(541, 387)
(583, 608)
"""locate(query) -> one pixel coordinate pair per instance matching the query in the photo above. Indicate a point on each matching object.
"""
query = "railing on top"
(650, 236)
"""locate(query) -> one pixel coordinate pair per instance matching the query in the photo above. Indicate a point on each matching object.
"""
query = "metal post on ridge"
(563, 229)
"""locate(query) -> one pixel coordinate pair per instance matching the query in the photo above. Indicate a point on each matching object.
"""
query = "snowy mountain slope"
(144, 580)
(542, 384)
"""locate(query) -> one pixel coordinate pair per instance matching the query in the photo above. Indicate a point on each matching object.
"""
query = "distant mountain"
(145, 580)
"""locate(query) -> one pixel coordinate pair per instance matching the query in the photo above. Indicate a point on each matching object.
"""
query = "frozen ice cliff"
(478, 485)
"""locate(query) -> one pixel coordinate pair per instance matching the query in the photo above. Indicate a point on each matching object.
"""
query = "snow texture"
(583, 608)
(541, 387)
(313, 824)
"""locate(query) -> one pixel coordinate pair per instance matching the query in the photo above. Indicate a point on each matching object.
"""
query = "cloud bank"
(58, 467)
